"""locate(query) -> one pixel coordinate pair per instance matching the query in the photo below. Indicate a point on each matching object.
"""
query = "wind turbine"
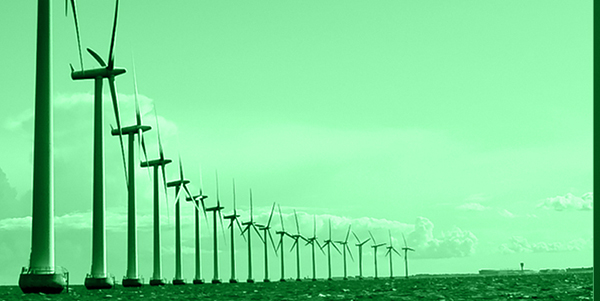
(251, 224)
(178, 184)
(161, 162)
(389, 253)
(41, 276)
(296, 237)
(266, 228)
(132, 278)
(98, 278)
(198, 199)
(214, 210)
(360, 244)
(233, 218)
(280, 245)
(406, 249)
(328, 243)
(344, 248)
(375, 246)
(311, 241)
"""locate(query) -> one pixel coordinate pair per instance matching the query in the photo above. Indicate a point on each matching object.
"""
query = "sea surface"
(555, 286)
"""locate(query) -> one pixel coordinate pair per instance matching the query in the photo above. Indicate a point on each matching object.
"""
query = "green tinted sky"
(469, 114)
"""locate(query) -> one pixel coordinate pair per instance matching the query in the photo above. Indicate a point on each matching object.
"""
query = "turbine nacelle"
(94, 73)
(197, 198)
(156, 162)
(134, 129)
(178, 183)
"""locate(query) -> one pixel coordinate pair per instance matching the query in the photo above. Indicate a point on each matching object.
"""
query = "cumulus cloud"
(569, 202)
(519, 244)
(506, 213)
(472, 207)
(452, 243)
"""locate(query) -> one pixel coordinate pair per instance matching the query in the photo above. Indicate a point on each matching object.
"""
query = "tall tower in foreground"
(42, 276)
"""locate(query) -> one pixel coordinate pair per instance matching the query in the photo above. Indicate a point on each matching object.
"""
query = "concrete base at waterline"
(42, 283)
(198, 281)
(329, 279)
(314, 279)
(157, 282)
(96, 283)
(233, 281)
(216, 281)
(281, 280)
(249, 280)
(178, 282)
(132, 282)
(266, 280)
(298, 279)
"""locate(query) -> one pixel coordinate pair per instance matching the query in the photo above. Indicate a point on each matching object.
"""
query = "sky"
(464, 125)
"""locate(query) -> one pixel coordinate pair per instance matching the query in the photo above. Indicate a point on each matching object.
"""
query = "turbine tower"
(98, 278)
(311, 241)
(214, 210)
(161, 162)
(132, 278)
(265, 229)
(41, 276)
(389, 253)
(360, 244)
(345, 247)
(248, 225)
(375, 246)
(178, 184)
(406, 249)
(280, 245)
(233, 218)
(195, 200)
(296, 237)
(328, 243)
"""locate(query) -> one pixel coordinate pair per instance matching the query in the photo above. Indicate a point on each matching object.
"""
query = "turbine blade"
(239, 226)
(113, 92)
(336, 248)
(281, 218)
(297, 224)
(404, 238)
(279, 244)
(76, 30)
(355, 236)
(349, 251)
(370, 234)
(164, 177)
(329, 229)
(251, 209)
(271, 215)
(272, 242)
(319, 245)
(293, 245)
(97, 57)
(257, 232)
(111, 58)
(234, 208)
(396, 252)
(315, 226)
(160, 147)
(347, 234)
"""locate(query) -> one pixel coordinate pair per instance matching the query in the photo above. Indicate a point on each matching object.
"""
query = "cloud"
(472, 207)
(519, 244)
(452, 243)
(506, 213)
(569, 202)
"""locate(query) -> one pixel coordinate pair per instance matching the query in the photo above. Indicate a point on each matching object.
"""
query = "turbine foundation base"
(266, 280)
(281, 280)
(132, 282)
(157, 282)
(298, 279)
(42, 283)
(198, 281)
(178, 282)
(250, 280)
(233, 281)
(94, 283)
(314, 279)
(329, 279)
(216, 281)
